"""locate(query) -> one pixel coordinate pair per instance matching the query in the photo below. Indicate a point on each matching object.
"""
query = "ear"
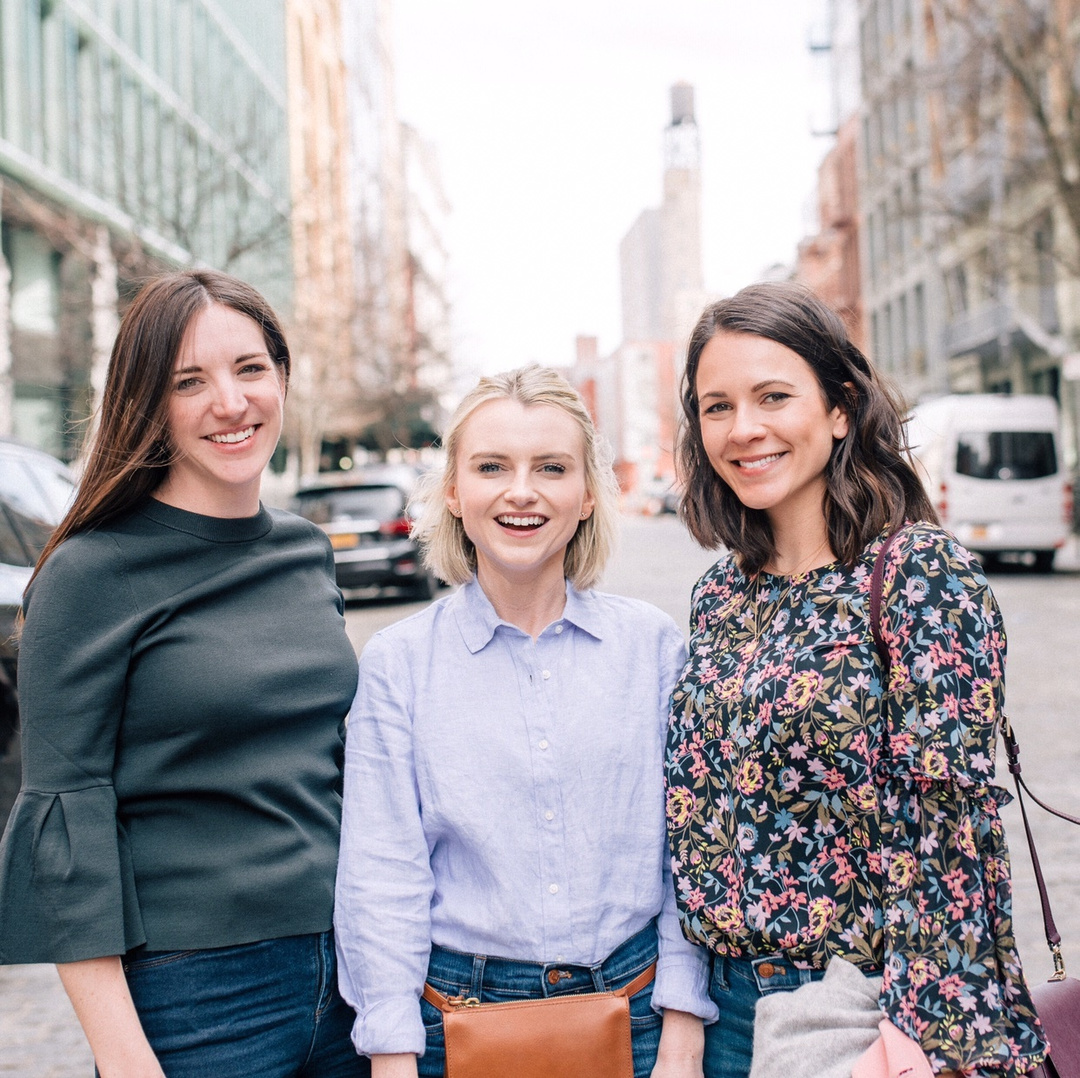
(841, 420)
(452, 502)
(588, 504)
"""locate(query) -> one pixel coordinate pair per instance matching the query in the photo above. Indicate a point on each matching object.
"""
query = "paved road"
(39, 1037)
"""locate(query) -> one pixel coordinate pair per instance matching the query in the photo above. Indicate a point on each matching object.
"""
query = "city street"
(658, 562)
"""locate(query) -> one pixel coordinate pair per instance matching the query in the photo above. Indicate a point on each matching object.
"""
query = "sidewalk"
(39, 1035)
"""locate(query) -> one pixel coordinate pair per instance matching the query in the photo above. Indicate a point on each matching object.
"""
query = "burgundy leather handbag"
(1057, 1001)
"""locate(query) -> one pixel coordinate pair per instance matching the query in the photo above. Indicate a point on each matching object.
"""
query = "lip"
(521, 522)
(238, 437)
(759, 463)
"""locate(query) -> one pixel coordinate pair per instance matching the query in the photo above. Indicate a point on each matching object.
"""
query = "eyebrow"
(506, 456)
(756, 388)
(239, 359)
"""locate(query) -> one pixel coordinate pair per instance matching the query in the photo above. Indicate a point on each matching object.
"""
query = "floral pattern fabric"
(814, 811)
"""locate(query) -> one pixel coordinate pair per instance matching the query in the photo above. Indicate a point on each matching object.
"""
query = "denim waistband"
(455, 973)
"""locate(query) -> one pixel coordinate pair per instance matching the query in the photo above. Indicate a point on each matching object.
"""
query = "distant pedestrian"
(821, 803)
(184, 676)
(503, 833)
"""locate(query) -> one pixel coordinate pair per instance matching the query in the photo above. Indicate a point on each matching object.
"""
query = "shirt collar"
(478, 621)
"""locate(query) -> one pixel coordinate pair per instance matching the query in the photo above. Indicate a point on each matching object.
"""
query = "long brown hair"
(129, 454)
(870, 481)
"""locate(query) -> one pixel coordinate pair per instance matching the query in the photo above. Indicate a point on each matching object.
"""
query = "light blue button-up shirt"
(503, 796)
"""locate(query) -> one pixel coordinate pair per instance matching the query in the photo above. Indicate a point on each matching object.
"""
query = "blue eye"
(488, 467)
(555, 469)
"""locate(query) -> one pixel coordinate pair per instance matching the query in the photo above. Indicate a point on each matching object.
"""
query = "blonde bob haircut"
(449, 552)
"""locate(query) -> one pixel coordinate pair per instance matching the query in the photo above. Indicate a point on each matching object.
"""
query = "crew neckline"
(212, 529)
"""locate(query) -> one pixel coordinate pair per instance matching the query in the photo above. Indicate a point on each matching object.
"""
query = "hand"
(399, 1065)
(682, 1047)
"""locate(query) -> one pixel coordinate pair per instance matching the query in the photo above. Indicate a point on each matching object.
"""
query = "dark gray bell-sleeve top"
(183, 685)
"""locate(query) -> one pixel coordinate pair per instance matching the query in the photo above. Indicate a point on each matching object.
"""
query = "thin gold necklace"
(803, 565)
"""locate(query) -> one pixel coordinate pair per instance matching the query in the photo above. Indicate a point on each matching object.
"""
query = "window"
(1008, 454)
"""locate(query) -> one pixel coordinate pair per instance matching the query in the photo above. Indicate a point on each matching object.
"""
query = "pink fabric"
(893, 1055)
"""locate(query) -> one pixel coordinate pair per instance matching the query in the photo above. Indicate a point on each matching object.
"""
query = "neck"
(531, 604)
(227, 505)
(800, 546)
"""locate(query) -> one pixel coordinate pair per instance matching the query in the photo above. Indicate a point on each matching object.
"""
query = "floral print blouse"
(814, 811)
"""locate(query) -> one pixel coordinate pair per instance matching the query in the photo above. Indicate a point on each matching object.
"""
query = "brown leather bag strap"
(638, 983)
(877, 587)
(437, 999)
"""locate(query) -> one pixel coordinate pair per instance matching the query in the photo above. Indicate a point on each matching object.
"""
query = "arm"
(952, 977)
(99, 993)
(67, 883)
(682, 1046)
(682, 975)
(384, 884)
(400, 1065)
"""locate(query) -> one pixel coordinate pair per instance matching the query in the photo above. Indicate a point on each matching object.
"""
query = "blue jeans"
(735, 986)
(266, 1010)
(496, 980)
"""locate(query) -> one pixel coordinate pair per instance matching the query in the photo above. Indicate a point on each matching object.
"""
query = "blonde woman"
(504, 811)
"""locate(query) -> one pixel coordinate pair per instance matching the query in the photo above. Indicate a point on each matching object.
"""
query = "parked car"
(35, 491)
(365, 512)
(992, 466)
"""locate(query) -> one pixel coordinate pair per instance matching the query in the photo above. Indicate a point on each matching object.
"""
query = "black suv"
(365, 512)
(35, 491)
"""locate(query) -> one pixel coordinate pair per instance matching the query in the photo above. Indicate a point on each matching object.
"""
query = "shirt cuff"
(682, 984)
(390, 1026)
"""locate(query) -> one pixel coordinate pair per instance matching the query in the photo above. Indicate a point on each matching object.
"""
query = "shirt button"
(553, 888)
(543, 743)
(766, 969)
(559, 628)
(549, 815)
(547, 674)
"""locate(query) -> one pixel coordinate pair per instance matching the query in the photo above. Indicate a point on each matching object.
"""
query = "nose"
(229, 398)
(746, 425)
(521, 490)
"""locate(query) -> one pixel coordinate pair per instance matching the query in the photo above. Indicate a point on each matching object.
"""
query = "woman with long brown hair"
(184, 676)
(822, 803)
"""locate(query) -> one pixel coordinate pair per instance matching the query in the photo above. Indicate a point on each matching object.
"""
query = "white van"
(992, 466)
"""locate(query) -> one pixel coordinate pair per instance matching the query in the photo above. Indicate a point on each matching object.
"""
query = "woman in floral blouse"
(815, 811)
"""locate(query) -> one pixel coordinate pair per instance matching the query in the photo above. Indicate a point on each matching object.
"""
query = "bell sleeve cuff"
(67, 886)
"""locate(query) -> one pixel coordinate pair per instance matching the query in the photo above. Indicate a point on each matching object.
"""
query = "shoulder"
(90, 570)
(717, 582)
(288, 526)
(626, 610)
(419, 634)
(928, 550)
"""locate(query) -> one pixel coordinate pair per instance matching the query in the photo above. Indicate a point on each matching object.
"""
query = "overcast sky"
(548, 118)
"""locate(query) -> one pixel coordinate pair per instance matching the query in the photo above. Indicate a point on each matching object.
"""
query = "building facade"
(133, 137)
(969, 249)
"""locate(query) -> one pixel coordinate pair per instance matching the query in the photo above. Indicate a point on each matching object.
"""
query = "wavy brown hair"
(871, 483)
(129, 453)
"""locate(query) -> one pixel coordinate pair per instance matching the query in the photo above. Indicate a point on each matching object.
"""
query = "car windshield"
(352, 503)
(1006, 454)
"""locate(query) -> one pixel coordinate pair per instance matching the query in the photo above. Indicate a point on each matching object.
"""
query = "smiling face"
(224, 416)
(765, 425)
(519, 488)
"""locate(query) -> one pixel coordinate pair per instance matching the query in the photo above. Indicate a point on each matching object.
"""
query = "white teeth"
(755, 465)
(522, 522)
(234, 436)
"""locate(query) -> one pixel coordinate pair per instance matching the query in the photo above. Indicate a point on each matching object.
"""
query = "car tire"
(1044, 561)
(423, 588)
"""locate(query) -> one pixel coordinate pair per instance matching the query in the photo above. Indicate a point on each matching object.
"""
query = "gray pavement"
(40, 1038)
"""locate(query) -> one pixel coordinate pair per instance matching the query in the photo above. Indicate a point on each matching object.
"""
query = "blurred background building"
(253, 136)
(634, 391)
